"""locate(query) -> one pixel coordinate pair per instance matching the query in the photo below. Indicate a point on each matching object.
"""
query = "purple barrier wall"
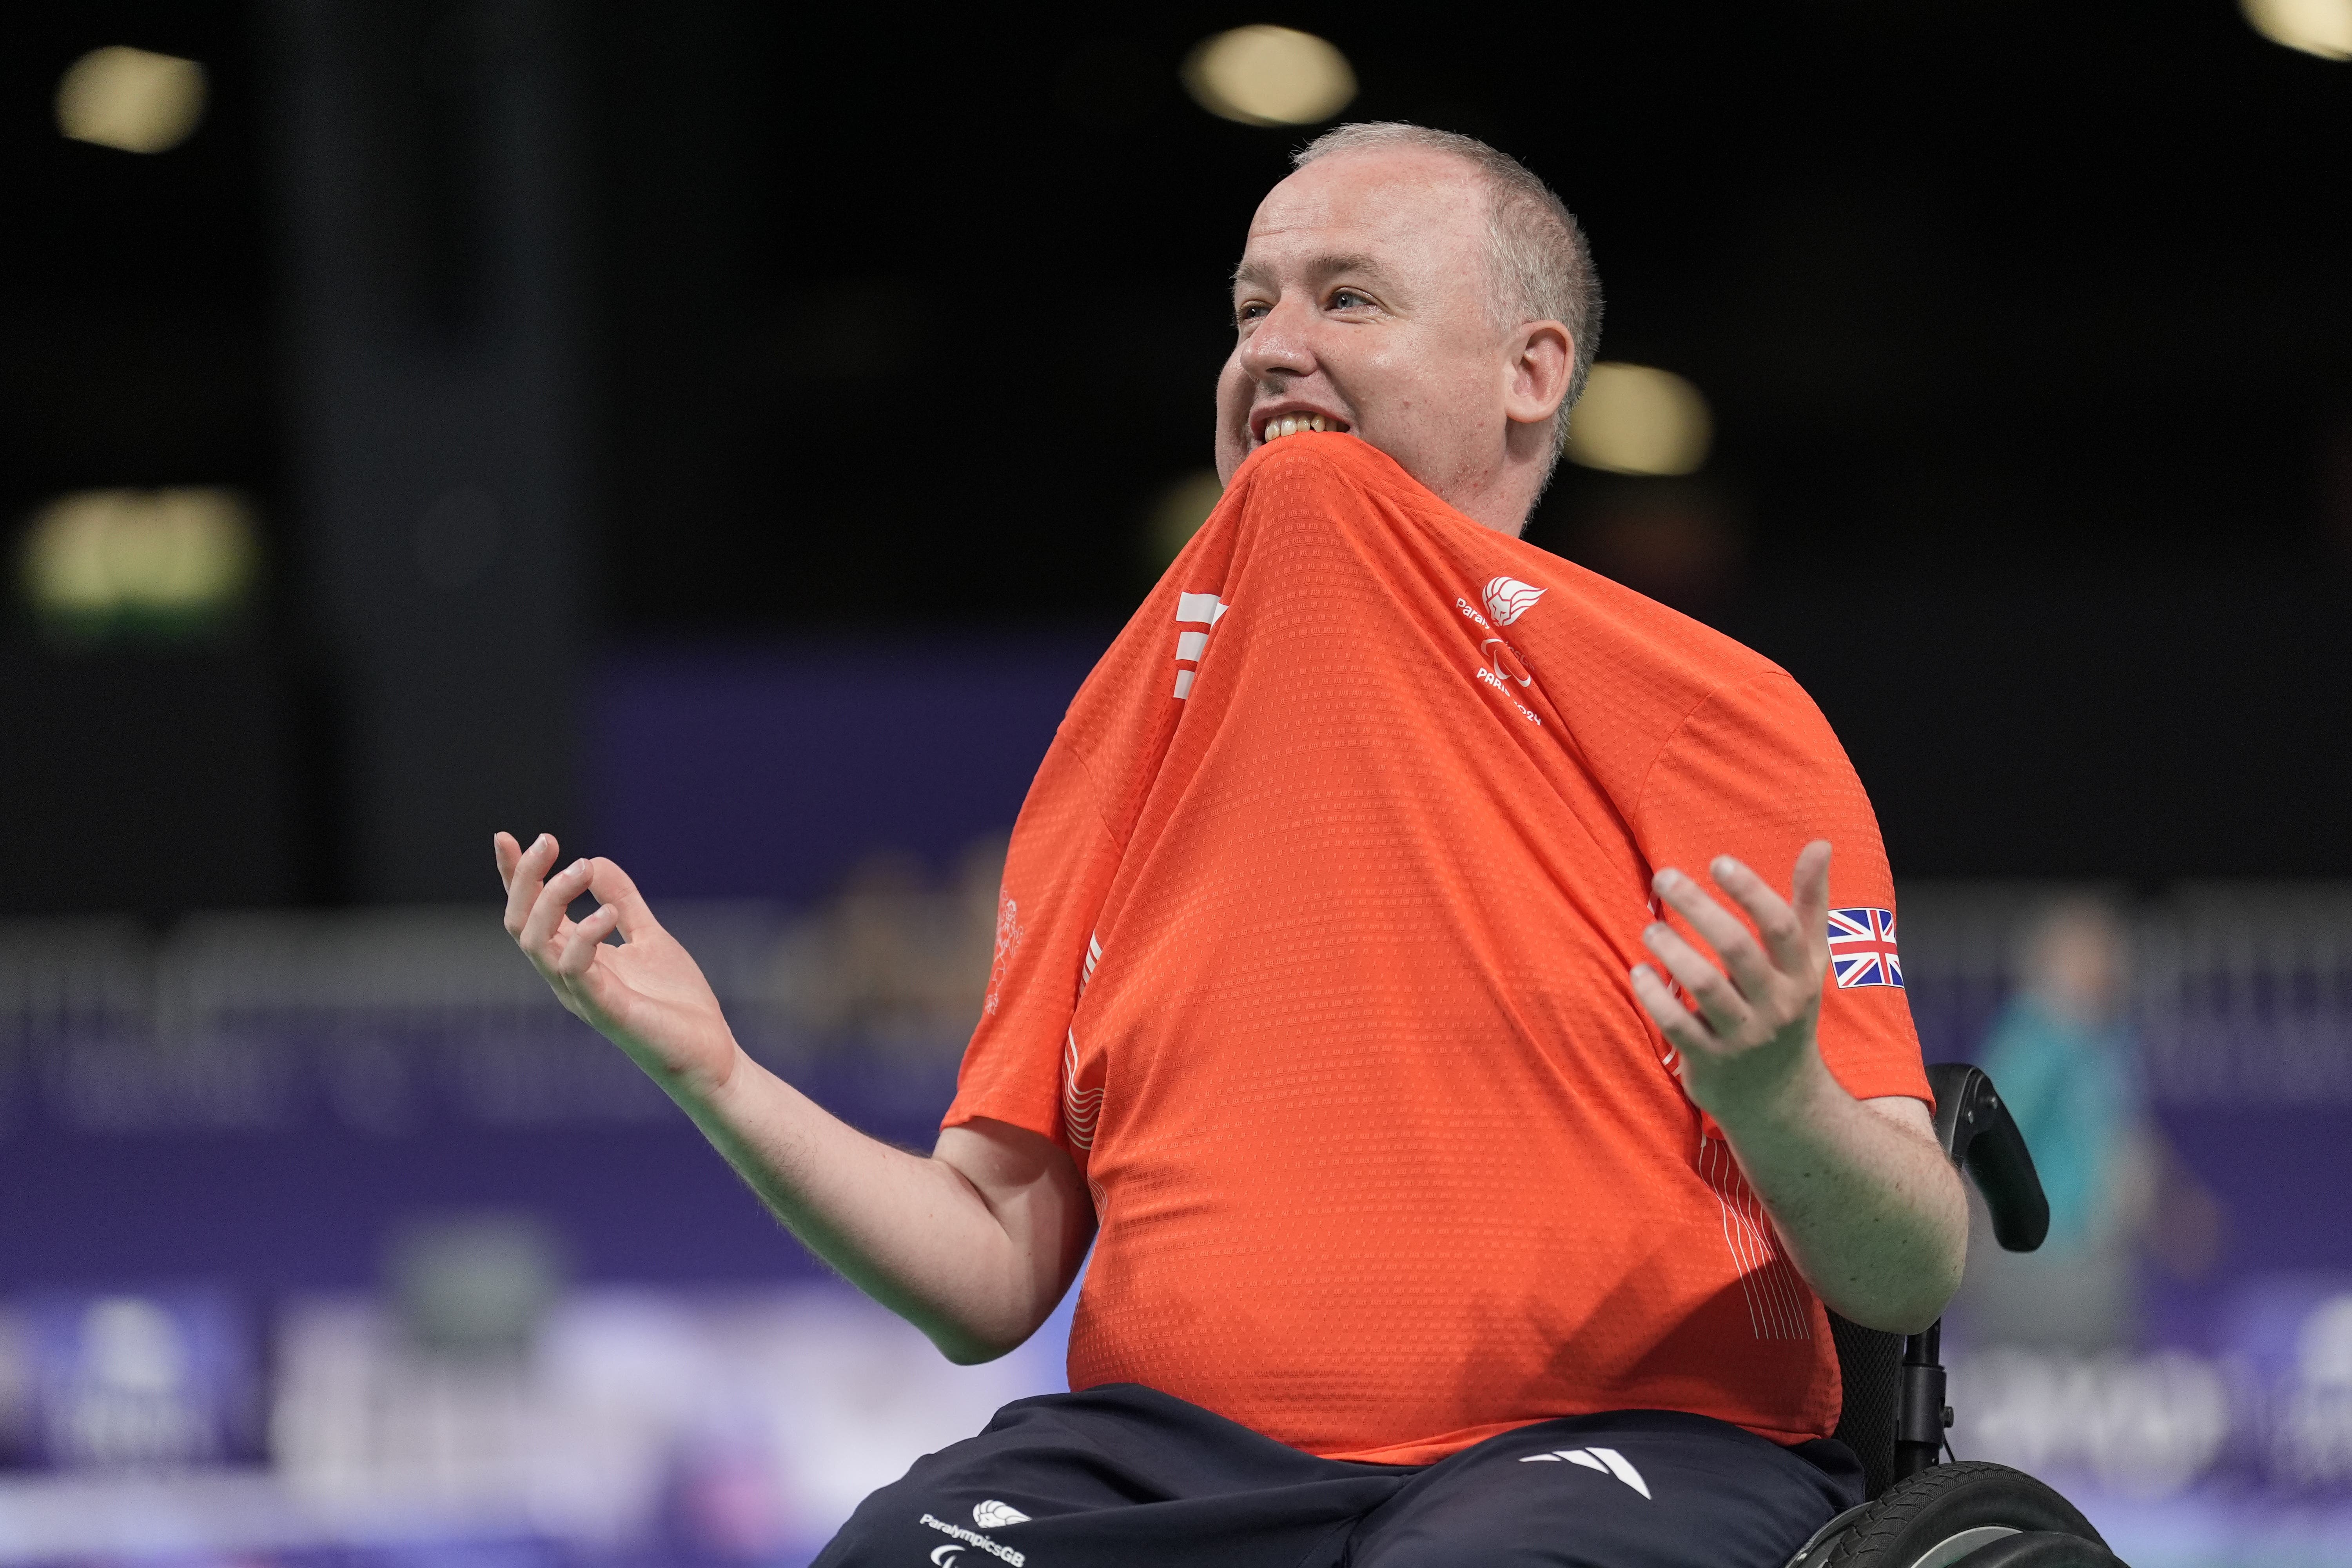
(306, 1201)
(770, 773)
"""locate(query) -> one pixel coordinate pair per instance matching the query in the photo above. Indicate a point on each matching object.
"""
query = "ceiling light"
(1269, 76)
(1634, 419)
(174, 555)
(1180, 511)
(131, 99)
(2316, 26)
(2322, 28)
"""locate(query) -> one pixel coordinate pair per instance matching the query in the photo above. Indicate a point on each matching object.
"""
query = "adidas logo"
(1079, 1111)
(1608, 1461)
(1197, 610)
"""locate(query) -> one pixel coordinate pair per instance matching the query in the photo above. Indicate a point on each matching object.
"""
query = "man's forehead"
(1363, 206)
(1265, 267)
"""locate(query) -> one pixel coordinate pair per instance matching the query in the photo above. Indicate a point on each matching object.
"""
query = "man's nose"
(1280, 344)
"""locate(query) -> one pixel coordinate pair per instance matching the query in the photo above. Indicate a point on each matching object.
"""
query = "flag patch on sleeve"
(1862, 947)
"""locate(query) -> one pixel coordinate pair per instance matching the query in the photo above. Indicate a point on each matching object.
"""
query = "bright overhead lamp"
(2322, 28)
(131, 99)
(1269, 76)
(1634, 419)
(1180, 511)
(96, 558)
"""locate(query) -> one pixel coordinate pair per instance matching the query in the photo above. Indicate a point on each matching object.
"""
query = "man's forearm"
(973, 1245)
(917, 1234)
(1871, 1212)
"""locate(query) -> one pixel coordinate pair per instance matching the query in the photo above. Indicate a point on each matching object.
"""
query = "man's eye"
(1249, 312)
(1347, 300)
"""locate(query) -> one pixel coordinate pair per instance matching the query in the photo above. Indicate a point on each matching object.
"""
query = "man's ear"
(1543, 356)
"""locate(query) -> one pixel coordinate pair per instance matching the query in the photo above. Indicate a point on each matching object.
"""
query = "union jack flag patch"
(1862, 947)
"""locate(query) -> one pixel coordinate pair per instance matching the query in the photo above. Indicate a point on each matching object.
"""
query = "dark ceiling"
(1981, 287)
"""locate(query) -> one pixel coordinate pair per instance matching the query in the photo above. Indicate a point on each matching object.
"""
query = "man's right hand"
(973, 1246)
(648, 996)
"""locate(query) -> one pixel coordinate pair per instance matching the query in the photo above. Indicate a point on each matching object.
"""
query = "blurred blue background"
(726, 437)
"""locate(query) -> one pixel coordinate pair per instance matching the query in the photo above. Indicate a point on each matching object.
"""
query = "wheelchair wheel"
(1938, 1517)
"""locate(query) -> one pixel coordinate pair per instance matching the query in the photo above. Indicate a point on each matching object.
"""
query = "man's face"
(1362, 297)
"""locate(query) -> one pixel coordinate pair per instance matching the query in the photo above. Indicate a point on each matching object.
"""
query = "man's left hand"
(1860, 1190)
(1750, 1043)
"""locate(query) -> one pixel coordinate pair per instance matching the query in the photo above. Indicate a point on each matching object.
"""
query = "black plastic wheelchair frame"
(1963, 1515)
(1982, 1139)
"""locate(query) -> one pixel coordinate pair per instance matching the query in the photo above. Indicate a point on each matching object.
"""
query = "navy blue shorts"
(1124, 1475)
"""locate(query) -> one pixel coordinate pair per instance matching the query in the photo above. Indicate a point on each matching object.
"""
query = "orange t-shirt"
(1312, 951)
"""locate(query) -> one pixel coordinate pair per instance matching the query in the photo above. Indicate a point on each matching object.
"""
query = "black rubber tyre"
(1913, 1516)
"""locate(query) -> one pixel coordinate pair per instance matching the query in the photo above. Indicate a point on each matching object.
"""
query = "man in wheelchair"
(1465, 1181)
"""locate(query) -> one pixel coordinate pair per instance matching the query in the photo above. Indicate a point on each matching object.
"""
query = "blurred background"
(725, 435)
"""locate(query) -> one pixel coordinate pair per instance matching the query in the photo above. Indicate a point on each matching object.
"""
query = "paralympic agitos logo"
(1507, 599)
(1504, 660)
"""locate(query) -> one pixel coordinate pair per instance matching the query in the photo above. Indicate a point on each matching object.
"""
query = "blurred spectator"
(897, 960)
(2062, 1057)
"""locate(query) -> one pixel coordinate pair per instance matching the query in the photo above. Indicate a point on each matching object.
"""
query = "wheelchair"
(1968, 1513)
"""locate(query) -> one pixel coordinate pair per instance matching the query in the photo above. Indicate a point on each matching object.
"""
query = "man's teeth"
(1292, 424)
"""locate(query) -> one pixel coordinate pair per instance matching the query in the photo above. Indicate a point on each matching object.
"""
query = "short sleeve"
(1057, 873)
(1756, 773)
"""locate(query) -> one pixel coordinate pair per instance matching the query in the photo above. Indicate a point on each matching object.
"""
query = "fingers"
(1724, 1009)
(562, 950)
(523, 880)
(1764, 975)
(1748, 963)
(546, 921)
(1811, 888)
(577, 949)
(614, 888)
(1665, 1009)
(1785, 932)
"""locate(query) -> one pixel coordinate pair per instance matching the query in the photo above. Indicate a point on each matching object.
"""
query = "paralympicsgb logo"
(1507, 599)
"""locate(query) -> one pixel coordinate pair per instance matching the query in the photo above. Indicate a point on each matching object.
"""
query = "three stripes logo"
(1079, 1111)
(1194, 611)
(1608, 1461)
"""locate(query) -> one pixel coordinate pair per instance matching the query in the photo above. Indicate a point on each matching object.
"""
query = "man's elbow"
(1905, 1300)
(971, 1352)
(1908, 1312)
(973, 1342)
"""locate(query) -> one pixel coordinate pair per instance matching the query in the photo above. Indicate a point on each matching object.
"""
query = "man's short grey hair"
(1543, 268)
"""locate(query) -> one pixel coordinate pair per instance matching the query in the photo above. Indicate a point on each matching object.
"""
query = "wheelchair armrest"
(1982, 1139)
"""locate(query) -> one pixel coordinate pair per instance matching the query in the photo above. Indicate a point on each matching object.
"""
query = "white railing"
(2241, 994)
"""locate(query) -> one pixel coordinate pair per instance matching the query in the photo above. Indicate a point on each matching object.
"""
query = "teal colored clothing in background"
(2074, 1093)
